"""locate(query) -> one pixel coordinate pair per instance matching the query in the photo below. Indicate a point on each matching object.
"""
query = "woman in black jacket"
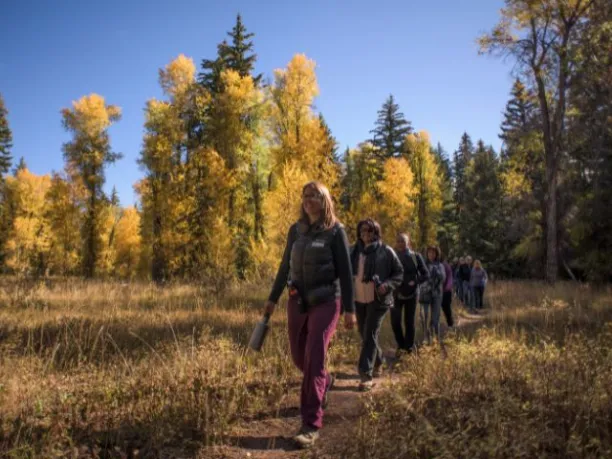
(317, 263)
(415, 273)
(377, 272)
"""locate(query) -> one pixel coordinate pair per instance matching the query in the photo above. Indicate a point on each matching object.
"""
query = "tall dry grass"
(102, 369)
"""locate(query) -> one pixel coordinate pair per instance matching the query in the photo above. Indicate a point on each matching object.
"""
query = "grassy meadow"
(104, 369)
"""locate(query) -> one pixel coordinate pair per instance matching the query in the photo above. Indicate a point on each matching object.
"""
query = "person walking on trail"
(454, 268)
(478, 282)
(317, 267)
(464, 279)
(415, 273)
(430, 295)
(377, 273)
(459, 279)
(447, 295)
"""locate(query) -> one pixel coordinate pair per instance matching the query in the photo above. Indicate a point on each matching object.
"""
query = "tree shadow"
(263, 443)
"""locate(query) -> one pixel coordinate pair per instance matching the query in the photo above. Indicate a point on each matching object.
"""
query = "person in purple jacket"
(447, 295)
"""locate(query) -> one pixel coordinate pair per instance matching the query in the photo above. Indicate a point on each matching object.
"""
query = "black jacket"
(389, 270)
(465, 272)
(317, 262)
(417, 273)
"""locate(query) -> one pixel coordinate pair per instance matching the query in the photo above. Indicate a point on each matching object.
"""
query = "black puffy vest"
(312, 268)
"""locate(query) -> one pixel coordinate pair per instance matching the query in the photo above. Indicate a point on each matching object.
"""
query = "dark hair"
(371, 223)
(435, 250)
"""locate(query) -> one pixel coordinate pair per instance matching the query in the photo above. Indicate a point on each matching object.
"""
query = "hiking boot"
(306, 437)
(366, 385)
(332, 380)
(378, 371)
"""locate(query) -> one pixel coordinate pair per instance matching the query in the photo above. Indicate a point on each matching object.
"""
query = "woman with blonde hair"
(317, 267)
(478, 282)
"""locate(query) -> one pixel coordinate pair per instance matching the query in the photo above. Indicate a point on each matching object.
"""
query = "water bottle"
(259, 333)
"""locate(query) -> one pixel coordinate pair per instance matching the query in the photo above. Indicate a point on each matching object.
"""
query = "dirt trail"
(270, 436)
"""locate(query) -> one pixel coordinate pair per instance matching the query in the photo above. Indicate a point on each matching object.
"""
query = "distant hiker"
(459, 277)
(447, 296)
(478, 283)
(465, 271)
(454, 266)
(415, 273)
(317, 263)
(377, 272)
(430, 294)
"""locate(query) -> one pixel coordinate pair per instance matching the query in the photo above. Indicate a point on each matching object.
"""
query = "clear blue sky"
(423, 52)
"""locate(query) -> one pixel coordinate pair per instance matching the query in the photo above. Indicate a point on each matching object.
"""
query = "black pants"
(447, 299)
(369, 320)
(404, 341)
(478, 296)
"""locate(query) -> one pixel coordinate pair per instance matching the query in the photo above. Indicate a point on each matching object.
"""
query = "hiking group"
(327, 278)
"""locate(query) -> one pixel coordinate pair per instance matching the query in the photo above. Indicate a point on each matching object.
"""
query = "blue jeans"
(430, 317)
(467, 293)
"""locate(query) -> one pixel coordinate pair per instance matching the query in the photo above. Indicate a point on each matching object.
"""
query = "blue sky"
(424, 53)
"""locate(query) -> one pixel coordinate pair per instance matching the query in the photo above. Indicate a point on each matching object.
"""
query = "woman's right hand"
(269, 307)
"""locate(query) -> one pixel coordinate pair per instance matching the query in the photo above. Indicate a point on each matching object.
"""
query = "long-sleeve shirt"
(448, 284)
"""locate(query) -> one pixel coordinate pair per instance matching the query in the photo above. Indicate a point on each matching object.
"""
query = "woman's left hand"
(350, 319)
(382, 289)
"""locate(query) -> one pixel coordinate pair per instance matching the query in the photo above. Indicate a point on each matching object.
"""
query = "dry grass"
(95, 369)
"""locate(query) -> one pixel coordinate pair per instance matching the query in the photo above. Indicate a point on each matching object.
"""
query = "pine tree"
(21, 165)
(519, 115)
(237, 55)
(6, 139)
(461, 160)
(447, 226)
(480, 225)
(390, 130)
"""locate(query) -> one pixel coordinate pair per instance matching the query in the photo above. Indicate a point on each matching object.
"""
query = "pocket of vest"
(320, 294)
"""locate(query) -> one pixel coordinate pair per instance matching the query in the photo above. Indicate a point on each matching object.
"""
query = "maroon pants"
(309, 337)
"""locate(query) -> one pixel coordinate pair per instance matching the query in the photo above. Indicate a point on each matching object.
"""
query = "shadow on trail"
(264, 443)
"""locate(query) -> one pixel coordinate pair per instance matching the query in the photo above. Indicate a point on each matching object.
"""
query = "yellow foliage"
(29, 239)
(90, 115)
(127, 243)
(282, 209)
(428, 194)
(177, 76)
(64, 217)
(298, 133)
(397, 197)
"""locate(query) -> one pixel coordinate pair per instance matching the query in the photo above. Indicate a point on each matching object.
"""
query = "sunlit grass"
(100, 369)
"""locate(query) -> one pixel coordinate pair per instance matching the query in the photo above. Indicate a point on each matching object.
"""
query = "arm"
(396, 276)
(342, 261)
(283, 270)
(422, 271)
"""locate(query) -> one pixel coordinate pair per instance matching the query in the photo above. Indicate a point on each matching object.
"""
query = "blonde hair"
(327, 203)
(477, 264)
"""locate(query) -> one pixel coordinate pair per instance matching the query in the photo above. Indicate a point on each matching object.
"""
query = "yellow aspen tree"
(64, 217)
(428, 195)
(29, 238)
(87, 154)
(397, 191)
(127, 242)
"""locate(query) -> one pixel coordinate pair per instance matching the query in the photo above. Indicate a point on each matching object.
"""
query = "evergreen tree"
(519, 115)
(391, 129)
(21, 165)
(6, 139)
(237, 55)
(447, 226)
(480, 225)
(462, 157)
